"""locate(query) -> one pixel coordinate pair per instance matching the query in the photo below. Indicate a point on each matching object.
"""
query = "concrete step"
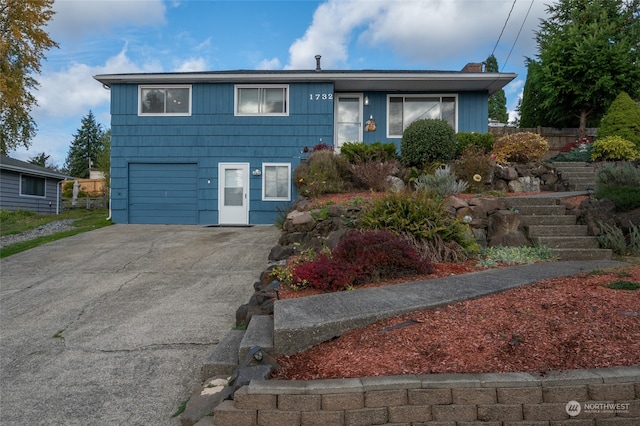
(582, 254)
(557, 220)
(582, 186)
(569, 164)
(557, 230)
(223, 359)
(530, 201)
(566, 241)
(259, 333)
(546, 210)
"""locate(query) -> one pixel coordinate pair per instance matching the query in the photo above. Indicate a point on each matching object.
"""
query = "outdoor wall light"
(366, 100)
(256, 172)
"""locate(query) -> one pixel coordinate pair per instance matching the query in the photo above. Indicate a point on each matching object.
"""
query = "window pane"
(152, 101)
(283, 182)
(248, 101)
(276, 182)
(395, 116)
(449, 111)
(32, 185)
(419, 108)
(274, 101)
(178, 100)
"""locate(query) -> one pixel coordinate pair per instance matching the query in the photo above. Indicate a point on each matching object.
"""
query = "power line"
(519, 31)
(505, 26)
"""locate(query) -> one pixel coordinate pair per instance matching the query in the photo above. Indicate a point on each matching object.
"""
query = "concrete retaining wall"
(606, 397)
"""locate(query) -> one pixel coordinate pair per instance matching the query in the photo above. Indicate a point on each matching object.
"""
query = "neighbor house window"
(404, 110)
(276, 181)
(165, 100)
(32, 185)
(262, 100)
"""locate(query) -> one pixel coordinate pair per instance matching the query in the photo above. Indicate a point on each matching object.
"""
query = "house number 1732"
(320, 96)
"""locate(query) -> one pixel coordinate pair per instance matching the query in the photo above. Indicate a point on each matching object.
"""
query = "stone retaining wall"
(606, 397)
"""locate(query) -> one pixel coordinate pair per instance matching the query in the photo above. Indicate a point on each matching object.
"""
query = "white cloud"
(430, 33)
(192, 64)
(269, 64)
(77, 18)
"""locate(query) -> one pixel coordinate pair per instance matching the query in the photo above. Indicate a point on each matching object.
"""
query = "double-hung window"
(276, 181)
(32, 185)
(262, 100)
(404, 110)
(164, 100)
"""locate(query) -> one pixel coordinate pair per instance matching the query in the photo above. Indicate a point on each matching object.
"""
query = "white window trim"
(165, 86)
(264, 177)
(260, 86)
(31, 195)
(423, 95)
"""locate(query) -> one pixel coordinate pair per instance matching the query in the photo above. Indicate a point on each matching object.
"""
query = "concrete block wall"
(607, 397)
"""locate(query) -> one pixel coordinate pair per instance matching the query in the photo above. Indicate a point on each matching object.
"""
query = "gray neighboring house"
(25, 186)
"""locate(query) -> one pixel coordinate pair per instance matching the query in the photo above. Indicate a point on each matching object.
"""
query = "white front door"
(233, 193)
(348, 115)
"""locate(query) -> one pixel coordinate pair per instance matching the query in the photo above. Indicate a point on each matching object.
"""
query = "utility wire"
(519, 31)
(504, 26)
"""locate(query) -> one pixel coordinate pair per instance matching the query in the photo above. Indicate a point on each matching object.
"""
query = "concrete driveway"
(111, 327)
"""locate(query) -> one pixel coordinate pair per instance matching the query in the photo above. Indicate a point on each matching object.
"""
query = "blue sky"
(128, 36)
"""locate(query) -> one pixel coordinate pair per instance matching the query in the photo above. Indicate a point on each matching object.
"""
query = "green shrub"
(376, 151)
(474, 162)
(612, 237)
(442, 182)
(323, 173)
(618, 174)
(622, 119)
(581, 152)
(481, 140)
(614, 148)
(427, 140)
(626, 197)
(522, 147)
(423, 220)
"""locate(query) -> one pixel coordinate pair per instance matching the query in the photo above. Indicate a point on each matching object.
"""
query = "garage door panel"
(161, 193)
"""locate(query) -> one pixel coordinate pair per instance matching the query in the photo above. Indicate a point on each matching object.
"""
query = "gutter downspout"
(109, 218)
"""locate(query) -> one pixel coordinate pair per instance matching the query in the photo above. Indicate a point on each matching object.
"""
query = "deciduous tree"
(23, 42)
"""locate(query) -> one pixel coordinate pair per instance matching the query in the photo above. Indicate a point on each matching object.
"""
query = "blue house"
(219, 148)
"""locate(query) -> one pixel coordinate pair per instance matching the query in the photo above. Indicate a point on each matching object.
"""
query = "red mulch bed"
(564, 323)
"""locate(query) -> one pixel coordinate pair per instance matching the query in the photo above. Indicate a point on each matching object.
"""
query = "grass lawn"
(16, 222)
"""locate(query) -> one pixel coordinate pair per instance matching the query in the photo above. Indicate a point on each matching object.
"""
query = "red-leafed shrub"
(359, 258)
(324, 273)
(575, 144)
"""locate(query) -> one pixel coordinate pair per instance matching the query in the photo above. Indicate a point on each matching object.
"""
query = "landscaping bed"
(565, 323)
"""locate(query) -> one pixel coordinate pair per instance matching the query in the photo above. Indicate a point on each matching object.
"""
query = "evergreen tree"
(497, 101)
(85, 148)
(587, 54)
(40, 160)
(104, 159)
(622, 119)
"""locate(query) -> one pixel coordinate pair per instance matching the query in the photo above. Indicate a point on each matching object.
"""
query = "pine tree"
(497, 101)
(85, 148)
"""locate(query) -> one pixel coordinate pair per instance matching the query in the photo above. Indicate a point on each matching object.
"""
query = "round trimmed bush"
(426, 141)
(622, 119)
(614, 148)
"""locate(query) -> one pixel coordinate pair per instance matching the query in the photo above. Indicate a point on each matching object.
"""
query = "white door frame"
(234, 211)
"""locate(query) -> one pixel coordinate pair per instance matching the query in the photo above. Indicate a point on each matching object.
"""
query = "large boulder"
(504, 229)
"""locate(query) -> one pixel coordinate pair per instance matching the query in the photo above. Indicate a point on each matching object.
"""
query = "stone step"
(582, 254)
(223, 359)
(556, 230)
(548, 220)
(259, 333)
(567, 241)
(541, 210)
(563, 164)
(582, 186)
(579, 174)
